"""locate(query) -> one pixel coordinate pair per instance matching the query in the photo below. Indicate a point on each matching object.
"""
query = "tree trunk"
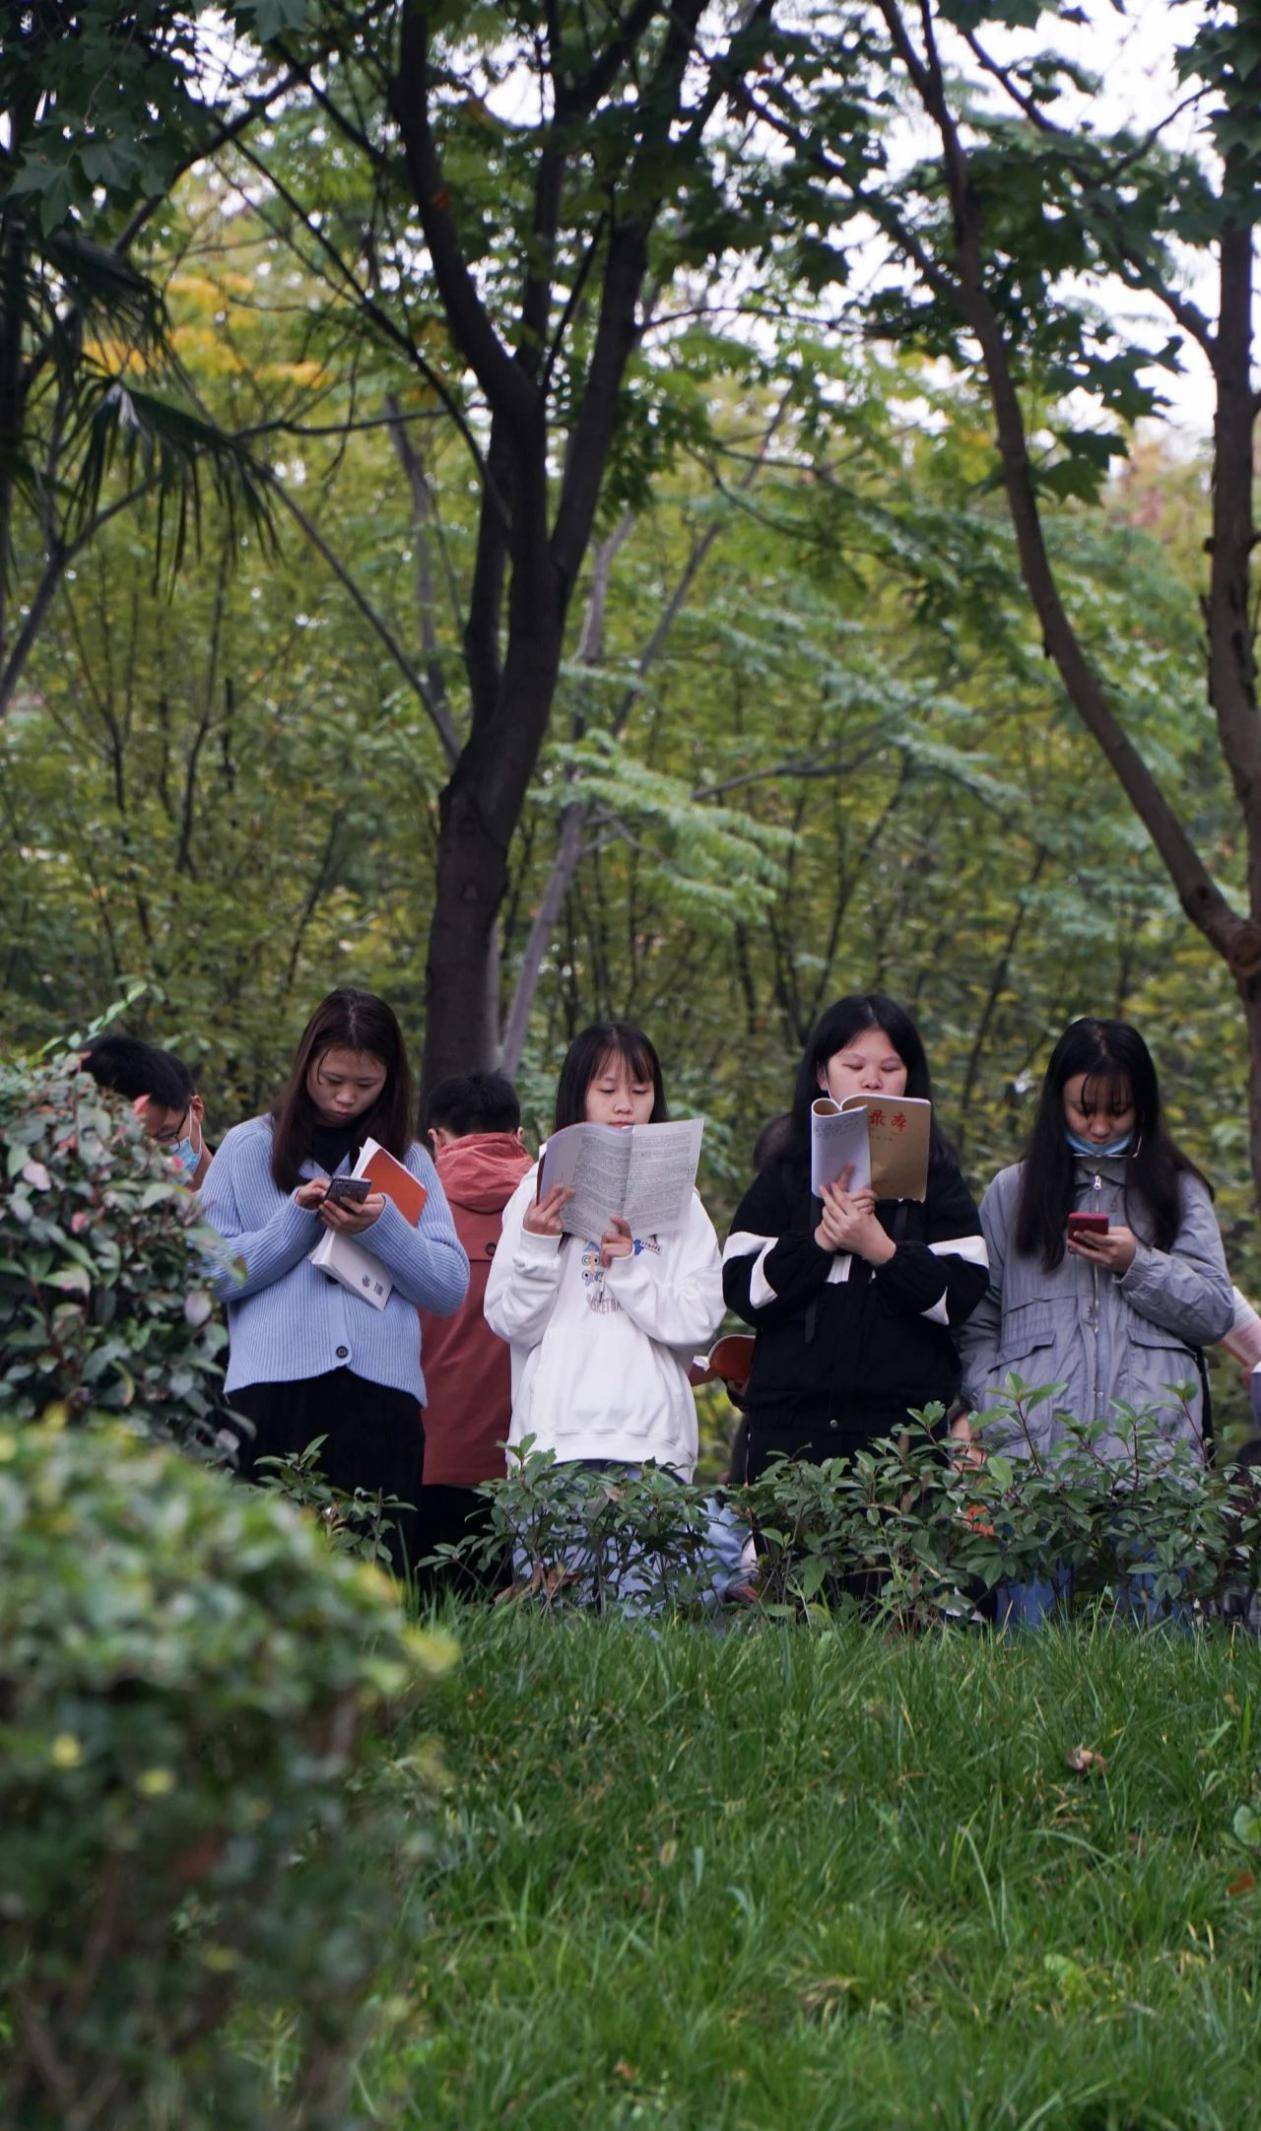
(478, 815)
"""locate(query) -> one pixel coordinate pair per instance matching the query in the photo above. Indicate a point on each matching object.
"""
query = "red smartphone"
(1088, 1224)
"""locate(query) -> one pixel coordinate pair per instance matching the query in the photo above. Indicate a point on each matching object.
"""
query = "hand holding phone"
(347, 1190)
(1093, 1238)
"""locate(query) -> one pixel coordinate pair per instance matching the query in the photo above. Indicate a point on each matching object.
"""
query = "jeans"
(630, 1576)
(1031, 1604)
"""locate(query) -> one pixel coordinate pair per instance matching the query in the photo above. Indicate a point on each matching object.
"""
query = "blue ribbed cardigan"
(286, 1320)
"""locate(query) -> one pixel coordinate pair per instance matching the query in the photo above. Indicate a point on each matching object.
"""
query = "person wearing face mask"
(184, 1137)
(1114, 1312)
(161, 1089)
(856, 1302)
(307, 1358)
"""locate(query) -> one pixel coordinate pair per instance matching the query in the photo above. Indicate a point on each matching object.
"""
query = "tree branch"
(436, 711)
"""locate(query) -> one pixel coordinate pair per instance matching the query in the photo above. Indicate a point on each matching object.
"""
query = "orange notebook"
(389, 1176)
(348, 1259)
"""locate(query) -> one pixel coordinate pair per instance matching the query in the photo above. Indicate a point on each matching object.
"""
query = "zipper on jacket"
(1097, 1194)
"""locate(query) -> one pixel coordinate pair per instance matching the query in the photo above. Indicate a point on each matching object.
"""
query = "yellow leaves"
(117, 357)
(208, 349)
(309, 373)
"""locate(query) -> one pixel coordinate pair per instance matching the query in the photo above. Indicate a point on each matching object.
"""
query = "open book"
(883, 1141)
(348, 1259)
(646, 1173)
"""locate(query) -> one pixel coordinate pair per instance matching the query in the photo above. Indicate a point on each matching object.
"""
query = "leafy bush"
(360, 1522)
(103, 1302)
(190, 1683)
(901, 1531)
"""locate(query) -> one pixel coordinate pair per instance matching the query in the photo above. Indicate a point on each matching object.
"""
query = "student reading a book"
(307, 1357)
(1112, 1307)
(603, 1328)
(472, 1122)
(855, 1301)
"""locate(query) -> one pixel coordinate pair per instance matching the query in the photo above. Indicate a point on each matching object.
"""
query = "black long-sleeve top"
(838, 1338)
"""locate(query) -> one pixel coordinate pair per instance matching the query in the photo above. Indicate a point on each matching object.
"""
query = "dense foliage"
(190, 1684)
(103, 1304)
(901, 1533)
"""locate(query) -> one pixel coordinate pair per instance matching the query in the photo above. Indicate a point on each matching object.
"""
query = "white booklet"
(885, 1141)
(838, 1141)
(348, 1260)
(646, 1173)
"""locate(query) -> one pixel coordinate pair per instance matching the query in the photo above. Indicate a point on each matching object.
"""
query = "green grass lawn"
(820, 1879)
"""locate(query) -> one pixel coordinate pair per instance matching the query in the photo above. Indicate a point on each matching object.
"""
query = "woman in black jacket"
(853, 1300)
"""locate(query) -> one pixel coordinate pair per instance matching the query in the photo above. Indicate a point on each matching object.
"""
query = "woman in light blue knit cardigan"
(308, 1358)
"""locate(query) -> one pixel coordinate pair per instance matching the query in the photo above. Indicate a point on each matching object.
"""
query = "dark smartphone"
(1088, 1224)
(347, 1190)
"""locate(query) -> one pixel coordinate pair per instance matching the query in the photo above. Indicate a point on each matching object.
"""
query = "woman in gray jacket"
(1116, 1308)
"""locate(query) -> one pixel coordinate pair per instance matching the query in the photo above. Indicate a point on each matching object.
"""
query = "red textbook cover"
(389, 1176)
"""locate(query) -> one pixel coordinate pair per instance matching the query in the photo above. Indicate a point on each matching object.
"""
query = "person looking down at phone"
(1106, 1265)
(163, 1093)
(307, 1358)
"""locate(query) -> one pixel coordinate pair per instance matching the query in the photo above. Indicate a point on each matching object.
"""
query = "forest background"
(807, 730)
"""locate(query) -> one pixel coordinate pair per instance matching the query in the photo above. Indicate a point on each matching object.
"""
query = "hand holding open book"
(643, 1175)
(882, 1140)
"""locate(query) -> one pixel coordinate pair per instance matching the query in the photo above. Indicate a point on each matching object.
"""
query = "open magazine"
(347, 1259)
(882, 1141)
(646, 1173)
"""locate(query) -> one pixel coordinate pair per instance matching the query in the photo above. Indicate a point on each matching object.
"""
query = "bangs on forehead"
(635, 1055)
(1107, 1087)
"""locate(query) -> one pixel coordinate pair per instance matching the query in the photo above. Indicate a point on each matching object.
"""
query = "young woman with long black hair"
(1115, 1315)
(308, 1358)
(855, 1301)
(603, 1328)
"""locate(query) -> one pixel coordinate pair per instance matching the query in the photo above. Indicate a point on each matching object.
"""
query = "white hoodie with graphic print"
(600, 1356)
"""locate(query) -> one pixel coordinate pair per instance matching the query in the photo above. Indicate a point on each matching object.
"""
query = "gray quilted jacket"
(1105, 1339)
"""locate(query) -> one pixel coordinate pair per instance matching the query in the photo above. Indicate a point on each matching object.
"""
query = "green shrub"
(194, 1815)
(103, 1301)
(900, 1530)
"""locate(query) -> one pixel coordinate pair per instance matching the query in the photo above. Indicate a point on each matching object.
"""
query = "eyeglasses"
(173, 1137)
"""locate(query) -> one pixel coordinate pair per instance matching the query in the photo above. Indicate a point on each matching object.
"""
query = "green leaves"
(191, 1686)
(101, 1304)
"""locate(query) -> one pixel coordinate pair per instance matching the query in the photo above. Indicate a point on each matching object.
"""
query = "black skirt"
(815, 1437)
(374, 1437)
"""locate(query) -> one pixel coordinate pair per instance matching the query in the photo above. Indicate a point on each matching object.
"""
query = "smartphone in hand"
(1087, 1224)
(347, 1190)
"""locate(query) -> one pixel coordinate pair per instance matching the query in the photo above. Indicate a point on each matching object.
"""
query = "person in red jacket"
(473, 1125)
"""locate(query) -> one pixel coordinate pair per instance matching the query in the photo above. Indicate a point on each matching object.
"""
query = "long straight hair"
(344, 1021)
(591, 1050)
(1115, 1059)
(837, 1027)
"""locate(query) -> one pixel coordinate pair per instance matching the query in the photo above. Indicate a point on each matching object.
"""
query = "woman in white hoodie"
(604, 1328)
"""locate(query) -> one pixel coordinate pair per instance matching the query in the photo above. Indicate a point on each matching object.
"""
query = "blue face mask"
(186, 1156)
(1092, 1147)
